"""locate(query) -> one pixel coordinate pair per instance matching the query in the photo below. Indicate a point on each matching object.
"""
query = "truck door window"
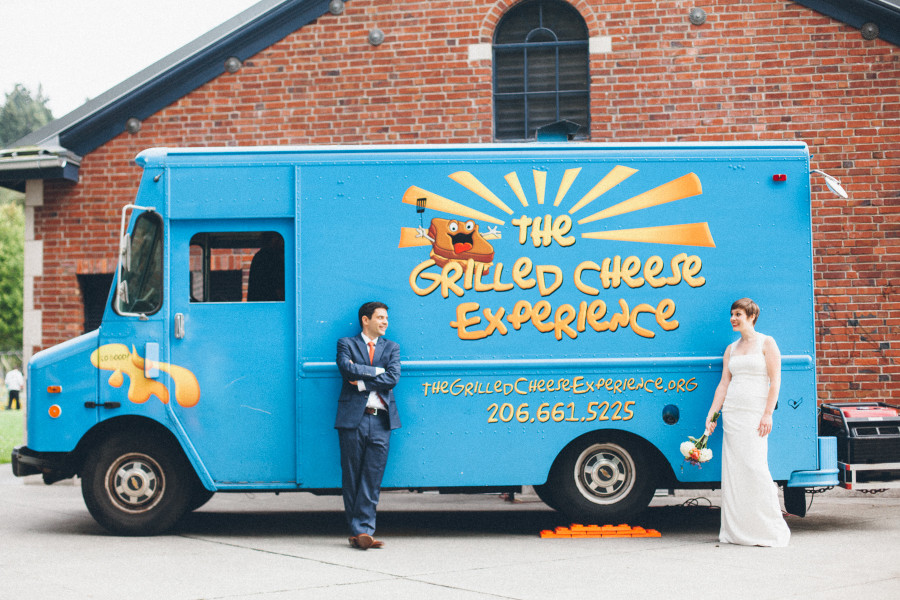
(242, 266)
(143, 278)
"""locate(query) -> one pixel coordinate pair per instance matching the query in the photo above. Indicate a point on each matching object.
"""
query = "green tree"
(21, 114)
(12, 242)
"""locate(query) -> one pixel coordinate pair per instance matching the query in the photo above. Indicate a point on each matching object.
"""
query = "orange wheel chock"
(600, 531)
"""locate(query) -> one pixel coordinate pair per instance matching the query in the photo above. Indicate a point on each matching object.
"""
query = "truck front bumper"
(54, 466)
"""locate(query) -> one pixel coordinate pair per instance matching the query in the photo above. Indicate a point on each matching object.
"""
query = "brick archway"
(496, 12)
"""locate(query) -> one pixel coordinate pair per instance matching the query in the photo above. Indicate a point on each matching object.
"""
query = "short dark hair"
(750, 308)
(368, 309)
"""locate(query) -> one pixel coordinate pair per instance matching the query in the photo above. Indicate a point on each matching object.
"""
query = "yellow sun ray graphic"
(677, 189)
(513, 180)
(471, 183)
(686, 186)
(611, 180)
(540, 184)
(435, 202)
(689, 234)
(567, 181)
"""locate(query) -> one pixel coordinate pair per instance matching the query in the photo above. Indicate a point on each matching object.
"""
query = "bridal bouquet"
(695, 450)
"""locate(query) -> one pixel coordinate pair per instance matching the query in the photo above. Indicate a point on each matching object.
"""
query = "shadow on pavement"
(668, 519)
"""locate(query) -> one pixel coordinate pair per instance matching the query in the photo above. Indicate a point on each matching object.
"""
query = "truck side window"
(242, 266)
(144, 279)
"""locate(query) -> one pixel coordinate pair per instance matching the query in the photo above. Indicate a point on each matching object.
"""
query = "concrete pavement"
(268, 547)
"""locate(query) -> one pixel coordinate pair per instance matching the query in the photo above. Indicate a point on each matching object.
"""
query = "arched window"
(541, 70)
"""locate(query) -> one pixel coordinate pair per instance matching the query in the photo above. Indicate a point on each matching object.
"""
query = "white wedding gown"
(751, 513)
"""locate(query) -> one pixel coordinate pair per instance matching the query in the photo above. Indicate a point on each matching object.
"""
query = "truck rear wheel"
(545, 493)
(601, 481)
(136, 485)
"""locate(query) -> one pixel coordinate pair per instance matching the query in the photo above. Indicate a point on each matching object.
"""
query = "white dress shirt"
(375, 400)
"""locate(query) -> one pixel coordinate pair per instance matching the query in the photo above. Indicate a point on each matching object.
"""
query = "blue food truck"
(562, 310)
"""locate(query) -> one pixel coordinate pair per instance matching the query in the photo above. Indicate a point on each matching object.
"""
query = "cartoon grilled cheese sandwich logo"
(458, 241)
(462, 256)
(122, 361)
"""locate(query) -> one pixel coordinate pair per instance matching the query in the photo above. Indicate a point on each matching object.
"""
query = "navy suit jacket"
(353, 363)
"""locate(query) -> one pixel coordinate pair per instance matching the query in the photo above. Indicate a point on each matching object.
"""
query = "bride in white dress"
(746, 395)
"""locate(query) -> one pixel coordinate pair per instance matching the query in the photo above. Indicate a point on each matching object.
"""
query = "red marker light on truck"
(779, 177)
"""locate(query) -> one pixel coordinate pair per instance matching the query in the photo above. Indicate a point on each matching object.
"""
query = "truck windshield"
(141, 281)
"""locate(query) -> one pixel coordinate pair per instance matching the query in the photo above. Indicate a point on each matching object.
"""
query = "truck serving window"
(141, 276)
(242, 266)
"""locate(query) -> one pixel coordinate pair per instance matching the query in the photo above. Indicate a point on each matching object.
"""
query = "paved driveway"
(267, 547)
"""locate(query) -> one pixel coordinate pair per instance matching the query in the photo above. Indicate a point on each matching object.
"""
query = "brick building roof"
(54, 151)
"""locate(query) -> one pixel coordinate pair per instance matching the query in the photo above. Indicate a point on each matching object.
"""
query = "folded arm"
(387, 379)
(350, 370)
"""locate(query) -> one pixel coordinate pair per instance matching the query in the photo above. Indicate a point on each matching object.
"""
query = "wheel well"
(662, 470)
(131, 425)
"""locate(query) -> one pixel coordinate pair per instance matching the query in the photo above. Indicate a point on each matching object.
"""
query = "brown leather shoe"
(354, 542)
(364, 541)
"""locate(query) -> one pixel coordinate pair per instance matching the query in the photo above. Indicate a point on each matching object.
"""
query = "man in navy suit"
(366, 414)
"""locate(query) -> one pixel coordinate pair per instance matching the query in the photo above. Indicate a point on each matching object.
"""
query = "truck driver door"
(232, 327)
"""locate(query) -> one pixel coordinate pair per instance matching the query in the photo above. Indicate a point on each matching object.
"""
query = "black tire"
(136, 485)
(199, 497)
(545, 493)
(795, 500)
(602, 480)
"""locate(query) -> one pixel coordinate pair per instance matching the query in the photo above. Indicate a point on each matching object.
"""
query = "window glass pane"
(141, 283)
(575, 108)
(518, 22)
(573, 69)
(541, 111)
(237, 267)
(508, 68)
(509, 118)
(541, 74)
(565, 21)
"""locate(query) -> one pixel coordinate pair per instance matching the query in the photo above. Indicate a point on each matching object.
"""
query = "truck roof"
(162, 155)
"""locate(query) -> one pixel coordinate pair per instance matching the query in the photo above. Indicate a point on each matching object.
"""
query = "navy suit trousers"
(364, 452)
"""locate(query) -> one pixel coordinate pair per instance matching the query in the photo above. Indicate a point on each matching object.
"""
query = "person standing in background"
(14, 382)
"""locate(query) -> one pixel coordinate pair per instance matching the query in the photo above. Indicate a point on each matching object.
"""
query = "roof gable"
(173, 77)
(885, 14)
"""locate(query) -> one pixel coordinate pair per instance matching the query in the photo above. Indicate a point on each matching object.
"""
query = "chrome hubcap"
(604, 473)
(135, 482)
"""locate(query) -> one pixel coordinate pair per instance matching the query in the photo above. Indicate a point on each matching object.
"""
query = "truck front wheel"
(136, 485)
(601, 481)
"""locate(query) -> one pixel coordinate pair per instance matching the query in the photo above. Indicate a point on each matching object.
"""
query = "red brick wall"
(758, 69)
